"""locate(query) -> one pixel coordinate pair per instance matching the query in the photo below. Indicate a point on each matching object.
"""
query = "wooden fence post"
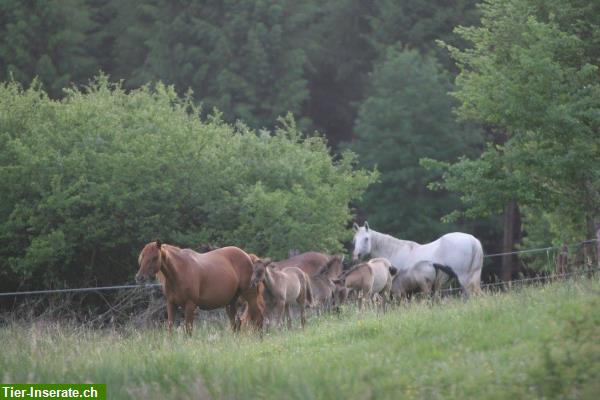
(562, 258)
(598, 246)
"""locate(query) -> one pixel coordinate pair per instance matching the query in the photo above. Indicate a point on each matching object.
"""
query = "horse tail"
(476, 265)
(448, 270)
(444, 268)
(309, 296)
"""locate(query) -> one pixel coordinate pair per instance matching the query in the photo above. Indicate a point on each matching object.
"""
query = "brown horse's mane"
(164, 248)
(325, 270)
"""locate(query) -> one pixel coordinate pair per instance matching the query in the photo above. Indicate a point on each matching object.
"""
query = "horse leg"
(255, 307)
(436, 295)
(464, 288)
(385, 298)
(189, 317)
(465, 292)
(170, 316)
(302, 313)
(288, 316)
(430, 290)
(279, 309)
(231, 310)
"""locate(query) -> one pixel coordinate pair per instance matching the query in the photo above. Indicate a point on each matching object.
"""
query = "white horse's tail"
(476, 266)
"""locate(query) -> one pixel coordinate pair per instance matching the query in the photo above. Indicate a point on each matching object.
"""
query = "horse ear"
(158, 243)
(355, 227)
(367, 226)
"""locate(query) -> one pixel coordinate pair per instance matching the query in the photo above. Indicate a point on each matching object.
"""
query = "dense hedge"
(89, 179)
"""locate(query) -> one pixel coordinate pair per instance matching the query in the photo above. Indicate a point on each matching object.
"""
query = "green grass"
(532, 343)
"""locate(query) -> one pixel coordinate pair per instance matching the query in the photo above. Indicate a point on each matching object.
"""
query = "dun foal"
(418, 278)
(423, 277)
(323, 288)
(284, 288)
(367, 279)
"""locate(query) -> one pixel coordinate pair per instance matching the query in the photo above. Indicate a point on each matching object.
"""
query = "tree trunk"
(512, 235)
(598, 245)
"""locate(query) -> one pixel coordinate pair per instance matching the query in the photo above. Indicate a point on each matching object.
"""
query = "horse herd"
(252, 289)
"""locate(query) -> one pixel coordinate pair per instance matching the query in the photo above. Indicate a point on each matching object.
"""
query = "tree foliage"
(245, 58)
(532, 74)
(408, 115)
(48, 40)
(89, 179)
(419, 24)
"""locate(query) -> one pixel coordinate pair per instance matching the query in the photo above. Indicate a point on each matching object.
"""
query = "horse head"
(150, 260)
(362, 241)
(333, 268)
(259, 270)
(340, 291)
(253, 257)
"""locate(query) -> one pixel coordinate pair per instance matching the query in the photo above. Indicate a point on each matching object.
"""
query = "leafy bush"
(91, 178)
(571, 364)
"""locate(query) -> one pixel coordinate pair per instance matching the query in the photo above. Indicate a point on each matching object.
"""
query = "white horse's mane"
(384, 241)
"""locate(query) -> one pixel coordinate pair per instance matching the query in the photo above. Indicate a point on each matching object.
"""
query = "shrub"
(89, 179)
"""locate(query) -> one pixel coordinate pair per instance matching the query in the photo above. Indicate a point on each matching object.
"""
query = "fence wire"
(525, 281)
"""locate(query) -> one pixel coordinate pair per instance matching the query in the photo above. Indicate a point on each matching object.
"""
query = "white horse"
(459, 251)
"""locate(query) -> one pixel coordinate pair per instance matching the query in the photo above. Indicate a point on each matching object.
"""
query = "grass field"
(535, 342)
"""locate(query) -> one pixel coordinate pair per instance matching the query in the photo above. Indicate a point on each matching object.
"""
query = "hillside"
(530, 343)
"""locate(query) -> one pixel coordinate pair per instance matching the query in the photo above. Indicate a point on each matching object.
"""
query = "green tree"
(132, 27)
(340, 58)
(419, 24)
(46, 39)
(407, 116)
(243, 57)
(532, 74)
(89, 179)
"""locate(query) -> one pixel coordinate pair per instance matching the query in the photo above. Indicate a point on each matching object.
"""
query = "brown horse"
(313, 263)
(284, 288)
(211, 280)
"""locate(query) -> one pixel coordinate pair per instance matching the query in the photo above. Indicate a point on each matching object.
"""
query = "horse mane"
(352, 269)
(325, 270)
(254, 258)
(382, 239)
(167, 251)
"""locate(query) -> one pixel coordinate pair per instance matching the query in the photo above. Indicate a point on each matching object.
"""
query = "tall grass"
(535, 342)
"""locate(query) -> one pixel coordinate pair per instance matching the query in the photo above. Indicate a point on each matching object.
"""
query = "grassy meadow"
(535, 342)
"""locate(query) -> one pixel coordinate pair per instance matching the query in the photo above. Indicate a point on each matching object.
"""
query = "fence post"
(588, 255)
(598, 245)
(562, 259)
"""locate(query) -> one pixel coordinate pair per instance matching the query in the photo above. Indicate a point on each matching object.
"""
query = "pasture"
(531, 342)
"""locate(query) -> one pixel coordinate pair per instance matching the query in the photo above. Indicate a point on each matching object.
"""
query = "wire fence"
(531, 280)
(75, 290)
(539, 250)
(155, 285)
